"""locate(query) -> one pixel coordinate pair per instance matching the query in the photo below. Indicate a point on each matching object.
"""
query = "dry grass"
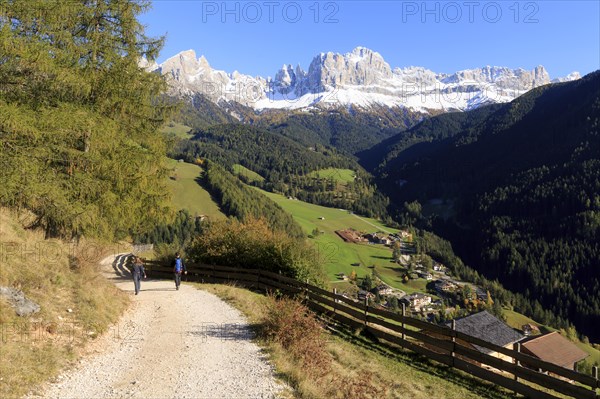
(288, 323)
(59, 277)
(357, 367)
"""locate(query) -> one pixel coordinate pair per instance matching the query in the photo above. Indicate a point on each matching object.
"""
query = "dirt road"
(171, 344)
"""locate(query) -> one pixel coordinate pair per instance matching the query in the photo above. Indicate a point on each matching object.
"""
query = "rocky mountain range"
(361, 78)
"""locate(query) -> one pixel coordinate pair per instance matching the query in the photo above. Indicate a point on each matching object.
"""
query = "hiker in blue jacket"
(178, 269)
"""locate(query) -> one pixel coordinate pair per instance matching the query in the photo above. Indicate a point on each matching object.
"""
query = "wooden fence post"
(453, 354)
(403, 316)
(517, 347)
(595, 372)
(306, 291)
(335, 300)
(366, 309)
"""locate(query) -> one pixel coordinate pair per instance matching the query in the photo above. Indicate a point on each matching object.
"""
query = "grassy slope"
(340, 175)
(249, 174)
(517, 320)
(395, 374)
(339, 255)
(188, 194)
(57, 276)
(594, 353)
(179, 130)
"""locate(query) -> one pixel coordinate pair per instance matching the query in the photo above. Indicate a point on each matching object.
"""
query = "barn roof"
(486, 326)
(555, 348)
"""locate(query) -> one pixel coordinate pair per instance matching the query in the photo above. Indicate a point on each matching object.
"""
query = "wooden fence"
(442, 344)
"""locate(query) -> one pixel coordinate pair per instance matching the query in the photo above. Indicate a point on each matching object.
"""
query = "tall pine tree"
(79, 117)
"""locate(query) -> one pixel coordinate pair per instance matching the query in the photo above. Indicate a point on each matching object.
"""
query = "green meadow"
(339, 175)
(340, 256)
(179, 130)
(252, 176)
(187, 193)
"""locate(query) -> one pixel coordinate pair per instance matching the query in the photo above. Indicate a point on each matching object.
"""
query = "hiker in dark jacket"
(138, 271)
(178, 269)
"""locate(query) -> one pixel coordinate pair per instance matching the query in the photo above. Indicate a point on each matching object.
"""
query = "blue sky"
(257, 37)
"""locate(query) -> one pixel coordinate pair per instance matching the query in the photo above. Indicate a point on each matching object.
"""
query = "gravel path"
(171, 344)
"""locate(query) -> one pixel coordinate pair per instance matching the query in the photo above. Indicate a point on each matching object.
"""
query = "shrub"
(254, 245)
(290, 324)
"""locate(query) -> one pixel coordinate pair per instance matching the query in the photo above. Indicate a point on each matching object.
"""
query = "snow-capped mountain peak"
(361, 78)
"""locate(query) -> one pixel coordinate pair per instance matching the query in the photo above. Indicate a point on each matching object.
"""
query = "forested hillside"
(270, 155)
(286, 166)
(199, 112)
(525, 184)
(421, 138)
(244, 203)
(348, 130)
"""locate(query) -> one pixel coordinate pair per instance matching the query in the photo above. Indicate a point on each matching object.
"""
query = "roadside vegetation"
(81, 159)
(79, 125)
(321, 363)
(253, 244)
(76, 303)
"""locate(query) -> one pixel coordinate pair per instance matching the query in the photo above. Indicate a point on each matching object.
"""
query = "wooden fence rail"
(438, 343)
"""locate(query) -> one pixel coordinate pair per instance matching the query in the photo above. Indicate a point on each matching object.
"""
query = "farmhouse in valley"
(417, 301)
(554, 348)
(489, 328)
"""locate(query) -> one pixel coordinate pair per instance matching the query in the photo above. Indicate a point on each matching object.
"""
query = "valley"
(525, 209)
(325, 188)
(435, 159)
(441, 182)
(365, 259)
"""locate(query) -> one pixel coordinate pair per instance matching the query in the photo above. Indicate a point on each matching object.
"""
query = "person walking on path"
(138, 272)
(178, 268)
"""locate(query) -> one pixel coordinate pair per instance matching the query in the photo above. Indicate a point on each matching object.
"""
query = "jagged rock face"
(360, 67)
(517, 79)
(288, 79)
(188, 75)
(360, 78)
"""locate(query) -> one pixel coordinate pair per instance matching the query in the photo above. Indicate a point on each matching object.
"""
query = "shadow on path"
(223, 331)
(157, 289)
(120, 267)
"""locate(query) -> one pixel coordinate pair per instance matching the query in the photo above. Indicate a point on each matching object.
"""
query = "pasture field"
(340, 175)
(343, 257)
(247, 173)
(188, 194)
(179, 130)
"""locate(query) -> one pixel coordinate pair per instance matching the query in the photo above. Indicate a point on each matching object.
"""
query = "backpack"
(178, 265)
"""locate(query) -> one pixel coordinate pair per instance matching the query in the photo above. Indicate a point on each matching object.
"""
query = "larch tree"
(79, 117)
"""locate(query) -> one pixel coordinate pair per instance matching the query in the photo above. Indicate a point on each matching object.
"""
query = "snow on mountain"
(568, 78)
(361, 78)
